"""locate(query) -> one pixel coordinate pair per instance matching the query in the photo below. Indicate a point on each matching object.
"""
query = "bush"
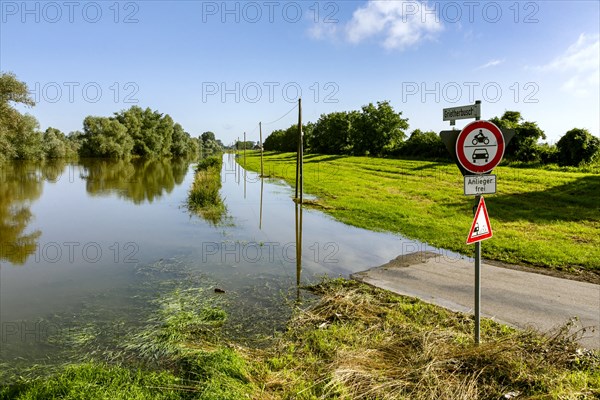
(423, 145)
(210, 162)
(204, 197)
(547, 154)
(577, 147)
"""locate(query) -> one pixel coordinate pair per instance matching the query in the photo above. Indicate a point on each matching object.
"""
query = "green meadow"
(540, 217)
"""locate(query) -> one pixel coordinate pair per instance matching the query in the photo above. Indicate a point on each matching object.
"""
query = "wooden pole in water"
(244, 149)
(297, 171)
(262, 170)
(300, 152)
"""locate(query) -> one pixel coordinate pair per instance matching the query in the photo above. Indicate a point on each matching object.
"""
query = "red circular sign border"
(480, 169)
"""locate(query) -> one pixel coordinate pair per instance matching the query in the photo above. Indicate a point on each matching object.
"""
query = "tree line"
(379, 130)
(135, 132)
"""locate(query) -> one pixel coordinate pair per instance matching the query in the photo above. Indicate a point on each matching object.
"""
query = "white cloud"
(400, 24)
(491, 63)
(397, 24)
(323, 31)
(581, 61)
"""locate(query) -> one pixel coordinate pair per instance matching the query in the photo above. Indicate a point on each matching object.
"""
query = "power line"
(283, 116)
(277, 120)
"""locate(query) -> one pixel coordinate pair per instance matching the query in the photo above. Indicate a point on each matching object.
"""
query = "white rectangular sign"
(462, 112)
(480, 184)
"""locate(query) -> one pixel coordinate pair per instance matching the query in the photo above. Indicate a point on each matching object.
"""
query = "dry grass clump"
(357, 342)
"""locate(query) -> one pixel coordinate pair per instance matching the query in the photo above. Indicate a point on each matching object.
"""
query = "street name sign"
(476, 185)
(462, 112)
(481, 228)
(480, 147)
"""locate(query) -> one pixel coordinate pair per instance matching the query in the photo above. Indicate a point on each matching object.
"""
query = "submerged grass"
(353, 342)
(540, 217)
(204, 197)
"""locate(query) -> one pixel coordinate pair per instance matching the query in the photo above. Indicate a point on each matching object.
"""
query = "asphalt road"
(517, 298)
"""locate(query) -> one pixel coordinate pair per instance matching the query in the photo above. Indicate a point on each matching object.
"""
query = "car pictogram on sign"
(480, 154)
(480, 147)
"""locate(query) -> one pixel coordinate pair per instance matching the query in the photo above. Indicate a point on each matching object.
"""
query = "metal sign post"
(476, 332)
(477, 150)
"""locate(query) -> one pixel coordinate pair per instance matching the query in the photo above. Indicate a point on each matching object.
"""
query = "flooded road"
(98, 240)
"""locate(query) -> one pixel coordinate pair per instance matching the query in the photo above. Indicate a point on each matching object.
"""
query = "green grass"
(204, 198)
(98, 382)
(353, 342)
(539, 217)
(358, 342)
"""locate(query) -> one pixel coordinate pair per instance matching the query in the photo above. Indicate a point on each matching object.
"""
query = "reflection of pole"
(245, 183)
(262, 183)
(477, 283)
(298, 209)
(262, 170)
(237, 161)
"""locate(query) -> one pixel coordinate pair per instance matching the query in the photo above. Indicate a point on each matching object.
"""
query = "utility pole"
(299, 156)
(262, 170)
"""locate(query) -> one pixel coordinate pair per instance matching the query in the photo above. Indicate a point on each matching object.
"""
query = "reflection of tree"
(20, 184)
(137, 180)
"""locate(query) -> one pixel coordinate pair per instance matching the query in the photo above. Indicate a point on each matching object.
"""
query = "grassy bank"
(352, 342)
(204, 198)
(539, 217)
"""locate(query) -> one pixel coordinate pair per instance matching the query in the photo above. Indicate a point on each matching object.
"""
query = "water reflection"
(138, 180)
(21, 183)
(262, 189)
(298, 212)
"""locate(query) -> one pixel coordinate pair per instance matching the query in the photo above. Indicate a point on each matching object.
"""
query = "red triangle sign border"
(480, 208)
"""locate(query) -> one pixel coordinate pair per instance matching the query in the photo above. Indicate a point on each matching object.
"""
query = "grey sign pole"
(477, 282)
(477, 268)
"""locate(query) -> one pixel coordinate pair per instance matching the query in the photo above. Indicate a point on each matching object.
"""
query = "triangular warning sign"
(481, 228)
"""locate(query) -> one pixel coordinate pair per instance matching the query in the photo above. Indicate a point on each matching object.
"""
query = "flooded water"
(95, 241)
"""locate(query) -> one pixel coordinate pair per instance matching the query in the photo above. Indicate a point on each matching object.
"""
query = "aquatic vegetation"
(204, 198)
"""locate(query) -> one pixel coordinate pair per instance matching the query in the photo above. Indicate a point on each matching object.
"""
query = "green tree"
(578, 146)
(274, 142)
(106, 137)
(332, 133)
(524, 145)
(151, 131)
(423, 145)
(378, 129)
(248, 145)
(55, 144)
(180, 143)
(13, 91)
(286, 140)
(27, 139)
(210, 143)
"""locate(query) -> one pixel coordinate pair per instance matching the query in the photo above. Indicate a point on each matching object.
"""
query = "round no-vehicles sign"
(480, 147)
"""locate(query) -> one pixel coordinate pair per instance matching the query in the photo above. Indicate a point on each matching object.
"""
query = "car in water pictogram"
(481, 154)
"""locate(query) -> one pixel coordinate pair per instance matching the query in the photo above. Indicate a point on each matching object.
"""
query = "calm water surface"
(96, 241)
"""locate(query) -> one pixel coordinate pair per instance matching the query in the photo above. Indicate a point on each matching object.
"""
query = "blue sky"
(225, 66)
